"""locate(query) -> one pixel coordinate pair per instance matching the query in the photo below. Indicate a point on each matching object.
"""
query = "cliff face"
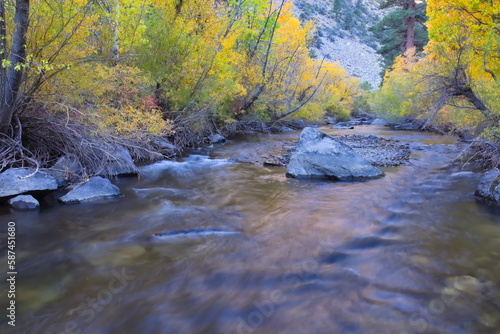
(342, 34)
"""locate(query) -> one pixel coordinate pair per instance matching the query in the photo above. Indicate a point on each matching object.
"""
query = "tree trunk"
(13, 78)
(410, 26)
(3, 48)
(115, 48)
(476, 102)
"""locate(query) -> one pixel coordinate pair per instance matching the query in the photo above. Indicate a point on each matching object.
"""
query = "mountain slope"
(342, 34)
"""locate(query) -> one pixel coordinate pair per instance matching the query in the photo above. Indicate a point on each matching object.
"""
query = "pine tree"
(401, 29)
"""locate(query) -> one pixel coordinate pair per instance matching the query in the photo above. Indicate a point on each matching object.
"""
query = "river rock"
(165, 146)
(330, 120)
(97, 188)
(24, 202)
(67, 169)
(17, 181)
(378, 151)
(217, 139)
(380, 122)
(119, 162)
(489, 187)
(404, 126)
(342, 127)
(319, 155)
(294, 123)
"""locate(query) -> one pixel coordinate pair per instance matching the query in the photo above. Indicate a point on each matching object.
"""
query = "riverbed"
(213, 243)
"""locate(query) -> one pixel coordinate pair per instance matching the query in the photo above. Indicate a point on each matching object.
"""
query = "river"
(209, 245)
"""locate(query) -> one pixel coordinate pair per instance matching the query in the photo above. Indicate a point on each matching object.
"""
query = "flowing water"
(209, 245)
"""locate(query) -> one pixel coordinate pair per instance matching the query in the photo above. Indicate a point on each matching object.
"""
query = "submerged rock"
(194, 233)
(97, 188)
(24, 202)
(489, 187)
(17, 181)
(319, 155)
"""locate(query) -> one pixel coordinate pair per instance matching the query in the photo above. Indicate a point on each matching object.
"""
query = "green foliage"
(366, 86)
(391, 30)
(339, 113)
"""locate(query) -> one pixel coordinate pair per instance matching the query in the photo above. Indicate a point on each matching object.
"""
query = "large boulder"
(24, 202)
(319, 155)
(489, 187)
(97, 188)
(17, 181)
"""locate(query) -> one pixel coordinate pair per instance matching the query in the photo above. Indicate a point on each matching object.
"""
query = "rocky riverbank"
(21, 188)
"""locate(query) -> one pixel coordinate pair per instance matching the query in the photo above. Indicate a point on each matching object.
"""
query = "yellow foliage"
(201, 59)
(464, 38)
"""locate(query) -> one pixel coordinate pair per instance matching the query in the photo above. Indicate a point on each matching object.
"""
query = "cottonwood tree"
(466, 49)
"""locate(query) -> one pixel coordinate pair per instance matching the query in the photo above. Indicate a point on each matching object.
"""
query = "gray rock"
(164, 144)
(404, 126)
(489, 187)
(287, 129)
(24, 202)
(217, 139)
(380, 122)
(319, 155)
(119, 162)
(342, 127)
(330, 120)
(295, 123)
(67, 169)
(17, 181)
(97, 188)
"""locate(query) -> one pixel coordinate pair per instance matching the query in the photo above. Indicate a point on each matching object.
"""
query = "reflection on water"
(207, 245)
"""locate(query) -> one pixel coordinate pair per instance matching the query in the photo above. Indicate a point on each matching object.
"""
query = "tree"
(464, 51)
(338, 7)
(457, 81)
(11, 71)
(401, 29)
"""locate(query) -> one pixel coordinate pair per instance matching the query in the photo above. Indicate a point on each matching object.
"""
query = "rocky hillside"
(342, 34)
